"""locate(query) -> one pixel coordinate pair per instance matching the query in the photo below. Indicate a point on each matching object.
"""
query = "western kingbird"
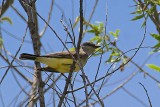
(62, 61)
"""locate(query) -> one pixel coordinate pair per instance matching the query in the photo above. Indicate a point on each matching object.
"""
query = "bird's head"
(89, 47)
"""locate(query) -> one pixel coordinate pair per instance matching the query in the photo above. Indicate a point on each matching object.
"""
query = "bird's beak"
(97, 46)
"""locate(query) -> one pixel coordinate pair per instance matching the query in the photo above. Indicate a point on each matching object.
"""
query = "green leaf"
(115, 60)
(156, 36)
(96, 38)
(137, 12)
(7, 19)
(151, 10)
(90, 31)
(109, 59)
(76, 21)
(156, 48)
(137, 17)
(115, 34)
(115, 53)
(100, 27)
(112, 33)
(96, 29)
(157, 45)
(154, 67)
(157, 2)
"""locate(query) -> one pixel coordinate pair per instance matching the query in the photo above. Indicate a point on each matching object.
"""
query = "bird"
(61, 62)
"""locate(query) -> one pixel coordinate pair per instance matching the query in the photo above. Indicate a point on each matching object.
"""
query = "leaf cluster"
(107, 41)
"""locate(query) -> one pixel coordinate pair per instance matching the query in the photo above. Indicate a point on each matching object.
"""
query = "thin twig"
(152, 16)
(118, 87)
(49, 18)
(19, 14)
(136, 98)
(15, 55)
(23, 76)
(139, 47)
(146, 94)
(91, 15)
(18, 82)
(123, 53)
(14, 36)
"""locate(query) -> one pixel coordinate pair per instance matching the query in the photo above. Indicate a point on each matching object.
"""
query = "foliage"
(154, 67)
(3, 9)
(108, 42)
(7, 19)
(157, 46)
(149, 9)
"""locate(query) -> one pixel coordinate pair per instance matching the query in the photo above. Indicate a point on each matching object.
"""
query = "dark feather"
(64, 55)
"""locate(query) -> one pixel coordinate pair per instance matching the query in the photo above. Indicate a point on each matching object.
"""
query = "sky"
(118, 17)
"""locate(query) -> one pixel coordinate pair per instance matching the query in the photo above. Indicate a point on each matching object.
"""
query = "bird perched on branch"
(61, 61)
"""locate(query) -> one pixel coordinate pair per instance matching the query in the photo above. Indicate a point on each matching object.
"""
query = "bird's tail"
(26, 56)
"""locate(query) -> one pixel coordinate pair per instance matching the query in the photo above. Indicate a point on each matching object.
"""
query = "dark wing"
(64, 54)
(49, 69)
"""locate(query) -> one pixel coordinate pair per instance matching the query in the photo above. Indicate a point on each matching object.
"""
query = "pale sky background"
(119, 17)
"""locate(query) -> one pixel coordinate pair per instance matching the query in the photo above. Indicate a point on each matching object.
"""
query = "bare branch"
(30, 9)
(146, 94)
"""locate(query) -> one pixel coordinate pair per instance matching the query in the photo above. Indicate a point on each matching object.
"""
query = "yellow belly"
(60, 64)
